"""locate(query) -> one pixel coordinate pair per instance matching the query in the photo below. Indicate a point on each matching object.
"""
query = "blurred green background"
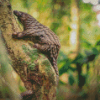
(76, 23)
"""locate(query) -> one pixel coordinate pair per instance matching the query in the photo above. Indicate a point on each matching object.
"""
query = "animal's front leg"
(41, 47)
(21, 35)
(18, 35)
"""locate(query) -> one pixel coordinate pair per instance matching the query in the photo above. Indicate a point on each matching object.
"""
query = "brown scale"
(45, 40)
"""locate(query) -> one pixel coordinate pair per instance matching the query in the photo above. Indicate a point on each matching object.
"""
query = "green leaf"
(65, 68)
(55, 26)
(27, 3)
(72, 69)
(71, 79)
(97, 43)
(69, 28)
(95, 51)
(78, 59)
(62, 57)
(86, 44)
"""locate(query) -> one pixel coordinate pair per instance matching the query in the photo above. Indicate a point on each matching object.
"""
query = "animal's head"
(22, 17)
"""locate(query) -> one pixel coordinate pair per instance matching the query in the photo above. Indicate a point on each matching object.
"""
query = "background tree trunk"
(34, 68)
(74, 34)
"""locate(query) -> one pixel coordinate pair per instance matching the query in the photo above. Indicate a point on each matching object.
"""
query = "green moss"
(33, 54)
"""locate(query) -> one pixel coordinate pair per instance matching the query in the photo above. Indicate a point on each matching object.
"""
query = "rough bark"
(34, 68)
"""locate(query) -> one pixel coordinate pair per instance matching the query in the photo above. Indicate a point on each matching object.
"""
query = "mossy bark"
(33, 68)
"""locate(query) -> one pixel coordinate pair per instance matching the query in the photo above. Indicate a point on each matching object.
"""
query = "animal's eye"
(41, 36)
(21, 14)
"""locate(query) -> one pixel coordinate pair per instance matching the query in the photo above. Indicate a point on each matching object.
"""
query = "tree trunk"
(33, 68)
(74, 34)
(6, 76)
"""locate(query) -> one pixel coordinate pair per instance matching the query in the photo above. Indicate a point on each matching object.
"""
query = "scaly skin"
(44, 39)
